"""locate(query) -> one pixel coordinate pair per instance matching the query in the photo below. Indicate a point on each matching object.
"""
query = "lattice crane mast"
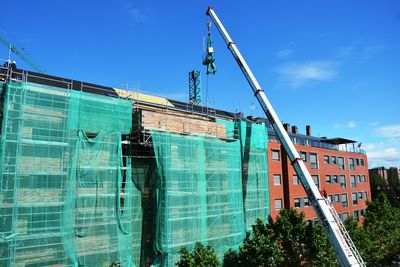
(21, 53)
(338, 236)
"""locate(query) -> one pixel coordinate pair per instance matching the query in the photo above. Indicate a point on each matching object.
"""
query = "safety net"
(253, 139)
(71, 194)
(66, 196)
(199, 196)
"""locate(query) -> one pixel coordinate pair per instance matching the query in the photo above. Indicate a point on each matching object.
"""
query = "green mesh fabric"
(68, 197)
(60, 188)
(253, 139)
(199, 194)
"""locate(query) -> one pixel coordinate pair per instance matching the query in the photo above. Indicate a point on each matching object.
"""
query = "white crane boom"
(337, 234)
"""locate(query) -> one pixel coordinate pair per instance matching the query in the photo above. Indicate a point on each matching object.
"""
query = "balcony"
(333, 144)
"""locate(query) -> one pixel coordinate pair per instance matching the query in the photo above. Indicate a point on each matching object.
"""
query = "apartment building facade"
(337, 166)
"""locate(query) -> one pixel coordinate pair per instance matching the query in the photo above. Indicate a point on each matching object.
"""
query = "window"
(277, 179)
(344, 201)
(353, 181)
(275, 155)
(342, 179)
(326, 159)
(357, 214)
(295, 179)
(364, 195)
(351, 164)
(334, 179)
(303, 156)
(336, 198)
(301, 202)
(361, 162)
(363, 212)
(297, 202)
(344, 216)
(278, 204)
(358, 178)
(354, 198)
(314, 161)
(328, 179)
(341, 163)
(359, 195)
(333, 160)
(306, 203)
(316, 180)
(362, 178)
(357, 162)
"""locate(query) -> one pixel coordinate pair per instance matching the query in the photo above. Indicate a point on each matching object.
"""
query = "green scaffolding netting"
(199, 194)
(253, 139)
(61, 178)
(209, 190)
(69, 197)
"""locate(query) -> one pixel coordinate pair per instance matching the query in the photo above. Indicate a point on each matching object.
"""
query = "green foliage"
(202, 256)
(319, 251)
(378, 239)
(261, 249)
(290, 241)
(382, 226)
(378, 185)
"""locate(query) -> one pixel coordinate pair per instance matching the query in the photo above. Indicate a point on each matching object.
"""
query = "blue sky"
(332, 64)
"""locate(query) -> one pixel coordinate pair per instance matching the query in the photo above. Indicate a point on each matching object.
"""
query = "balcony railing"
(314, 143)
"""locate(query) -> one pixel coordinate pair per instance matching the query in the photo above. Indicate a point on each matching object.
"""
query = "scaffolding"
(96, 180)
(61, 177)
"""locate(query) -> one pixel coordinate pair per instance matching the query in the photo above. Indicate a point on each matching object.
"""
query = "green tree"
(319, 251)
(261, 249)
(302, 243)
(378, 185)
(382, 227)
(289, 241)
(359, 236)
(203, 256)
(290, 230)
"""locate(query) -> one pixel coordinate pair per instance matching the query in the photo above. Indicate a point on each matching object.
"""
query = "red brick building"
(336, 165)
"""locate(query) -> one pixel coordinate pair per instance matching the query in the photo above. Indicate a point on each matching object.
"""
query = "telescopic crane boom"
(337, 234)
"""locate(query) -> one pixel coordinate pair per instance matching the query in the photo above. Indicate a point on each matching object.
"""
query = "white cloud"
(351, 124)
(374, 123)
(336, 126)
(137, 14)
(285, 53)
(381, 154)
(389, 131)
(298, 74)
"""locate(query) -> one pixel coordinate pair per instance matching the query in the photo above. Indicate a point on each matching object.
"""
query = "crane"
(21, 53)
(339, 238)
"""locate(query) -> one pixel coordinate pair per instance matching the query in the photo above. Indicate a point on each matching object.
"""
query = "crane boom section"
(21, 53)
(337, 235)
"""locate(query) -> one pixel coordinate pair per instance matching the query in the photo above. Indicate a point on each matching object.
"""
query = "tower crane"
(339, 238)
(21, 53)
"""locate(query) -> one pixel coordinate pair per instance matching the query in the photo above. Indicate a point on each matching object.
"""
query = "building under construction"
(95, 176)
